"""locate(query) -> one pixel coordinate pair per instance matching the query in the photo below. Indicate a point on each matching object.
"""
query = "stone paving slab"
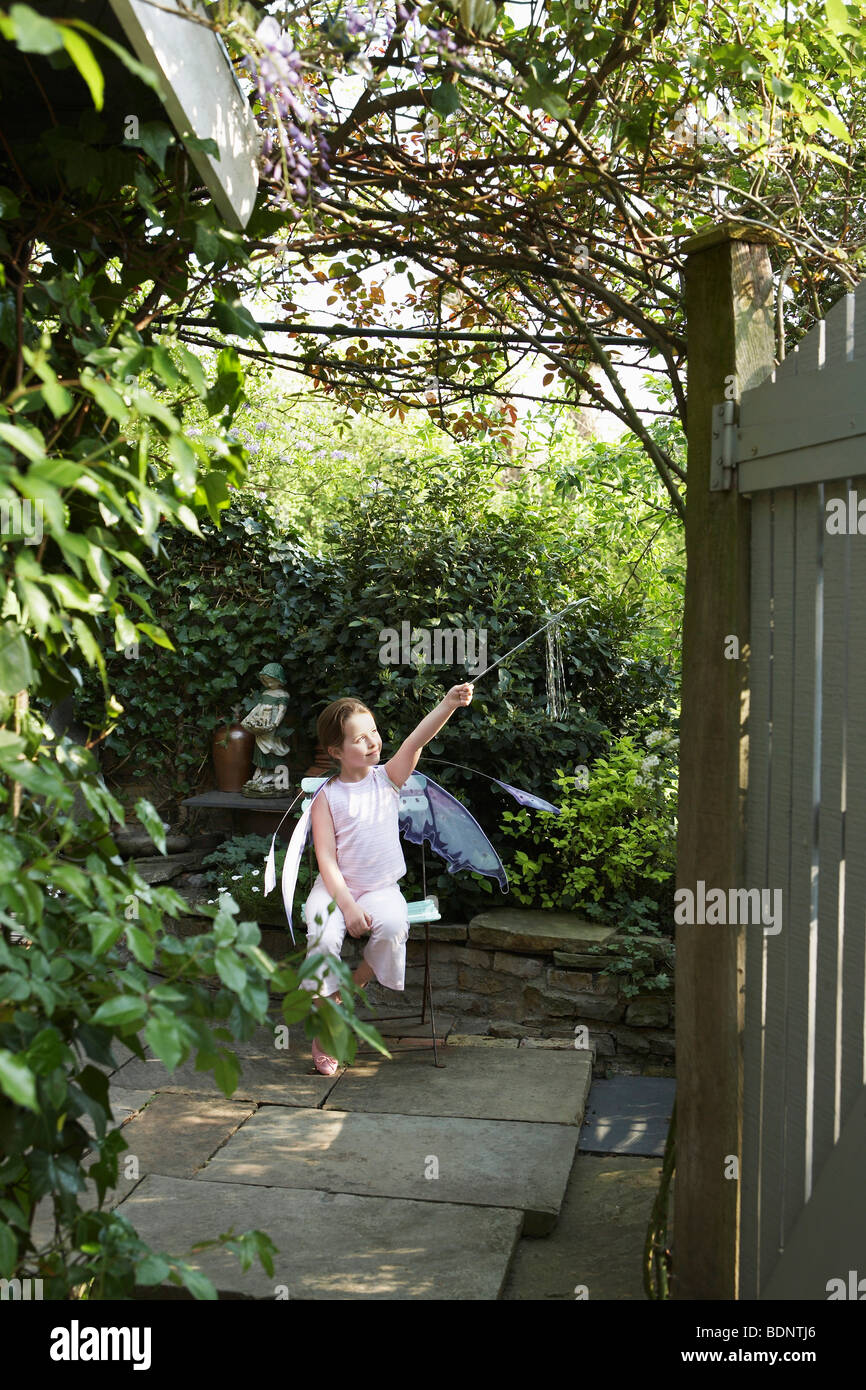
(263, 1043)
(488, 1083)
(628, 1115)
(526, 929)
(487, 1163)
(284, 1078)
(599, 1239)
(332, 1246)
(177, 1134)
(121, 1052)
(123, 1101)
(391, 1027)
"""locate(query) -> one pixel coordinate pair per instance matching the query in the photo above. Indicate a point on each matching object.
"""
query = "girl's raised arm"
(405, 760)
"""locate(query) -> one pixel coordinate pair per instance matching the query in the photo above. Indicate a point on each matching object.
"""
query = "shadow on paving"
(598, 1242)
(338, 1171)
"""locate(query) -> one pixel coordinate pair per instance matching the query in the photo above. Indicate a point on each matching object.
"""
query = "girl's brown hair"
(331, 723)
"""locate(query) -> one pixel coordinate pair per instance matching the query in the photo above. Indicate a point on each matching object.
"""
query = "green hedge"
(453, 553)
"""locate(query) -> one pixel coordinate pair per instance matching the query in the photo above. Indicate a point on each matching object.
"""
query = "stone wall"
(532, 975)
(512, 974)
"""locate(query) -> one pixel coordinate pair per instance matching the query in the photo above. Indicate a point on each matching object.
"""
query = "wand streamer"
(554, 619)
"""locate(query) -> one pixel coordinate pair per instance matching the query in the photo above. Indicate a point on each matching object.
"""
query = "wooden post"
(729, 308)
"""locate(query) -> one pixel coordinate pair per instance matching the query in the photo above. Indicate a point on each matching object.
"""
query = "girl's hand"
(357, 920)
(459, 695)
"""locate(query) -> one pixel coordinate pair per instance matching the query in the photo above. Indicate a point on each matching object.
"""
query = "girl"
(357, 841)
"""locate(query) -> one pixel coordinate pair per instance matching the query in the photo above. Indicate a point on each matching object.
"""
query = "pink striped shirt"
(367, 831)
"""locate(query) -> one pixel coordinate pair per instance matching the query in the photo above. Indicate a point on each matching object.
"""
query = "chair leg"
(426, 986)
(428, 997)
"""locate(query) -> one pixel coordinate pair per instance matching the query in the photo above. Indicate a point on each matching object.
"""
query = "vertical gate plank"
(854, 944)
(840, 331)
(801, 909)
(778, 876)
(831, 899)
(757, 832)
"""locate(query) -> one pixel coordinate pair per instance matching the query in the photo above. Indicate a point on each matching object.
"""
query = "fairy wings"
(426, 812)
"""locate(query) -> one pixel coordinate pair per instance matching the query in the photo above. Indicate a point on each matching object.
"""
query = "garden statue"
(266, 721)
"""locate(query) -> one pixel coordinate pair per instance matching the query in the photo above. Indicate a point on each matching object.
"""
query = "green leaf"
(233, 317)
(81, 54)
(139, 70)
(16, 1079)
(164, 1036)
(16, 667)
(34, 33)
(146, 404)
(198, 1284)
(191, 366)
(125, 632)
(131, 561)
(445, 99)
(28, 442)
(125, 1008)
(105, 396)
(203, 143)
(229, 968)
(227, 1072)
(157, 635)
(89, 646)
(216, 491)
(836, 126)
(46, 497)
(73, 594)
(104, 932)
(152, 1269)
(155, 137)
(837, 17)
(8, 1250)
(141, 946)
(10, 204)
(185, 464)
(71, 880)
(548, 99)
(164, 366)
(150, 820)
(57, 398)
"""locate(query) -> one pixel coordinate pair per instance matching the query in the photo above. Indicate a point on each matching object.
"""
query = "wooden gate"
(799, 451)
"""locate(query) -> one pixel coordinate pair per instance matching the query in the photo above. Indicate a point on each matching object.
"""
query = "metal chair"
(422, 912)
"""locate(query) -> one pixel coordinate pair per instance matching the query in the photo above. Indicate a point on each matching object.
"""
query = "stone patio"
(394, 1179)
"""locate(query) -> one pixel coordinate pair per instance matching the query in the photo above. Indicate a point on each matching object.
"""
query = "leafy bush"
(611, 853)
(67, 905)
(261, 596)
(94, 448)
(237, 867)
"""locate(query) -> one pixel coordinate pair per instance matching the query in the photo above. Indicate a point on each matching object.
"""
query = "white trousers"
(385, 949)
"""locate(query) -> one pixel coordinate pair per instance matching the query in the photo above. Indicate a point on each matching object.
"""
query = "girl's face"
(362, 744)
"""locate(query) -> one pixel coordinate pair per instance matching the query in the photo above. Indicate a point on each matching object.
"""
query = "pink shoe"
(324, 1064)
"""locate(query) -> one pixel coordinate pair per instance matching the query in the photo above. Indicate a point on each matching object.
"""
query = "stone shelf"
(236, 801)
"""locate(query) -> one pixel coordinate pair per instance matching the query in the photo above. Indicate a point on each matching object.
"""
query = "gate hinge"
(723, 460)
